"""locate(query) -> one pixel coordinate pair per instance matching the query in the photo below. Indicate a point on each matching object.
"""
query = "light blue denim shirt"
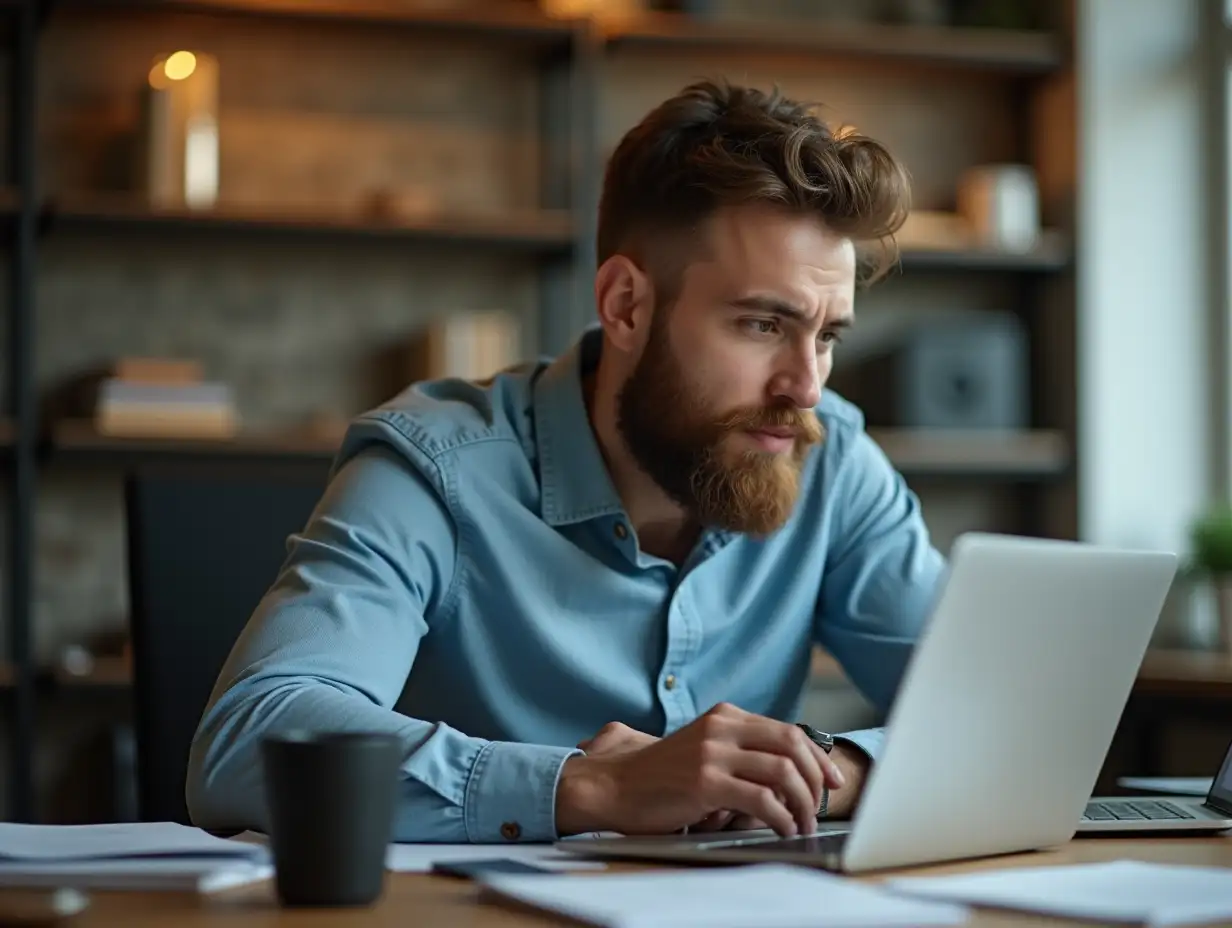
(470, 583)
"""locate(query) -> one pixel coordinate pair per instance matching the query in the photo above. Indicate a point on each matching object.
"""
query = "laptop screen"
(1220, 795)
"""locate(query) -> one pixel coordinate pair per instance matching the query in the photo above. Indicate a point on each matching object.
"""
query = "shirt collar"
(574, 480)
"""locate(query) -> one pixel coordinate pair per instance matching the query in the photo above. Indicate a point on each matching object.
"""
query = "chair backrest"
(204, 545)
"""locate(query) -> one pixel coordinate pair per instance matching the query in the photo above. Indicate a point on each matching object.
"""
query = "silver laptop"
(1001, 724)
(1164, 814)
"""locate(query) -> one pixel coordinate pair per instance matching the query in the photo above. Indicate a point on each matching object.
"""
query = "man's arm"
(881, 580)
(330, 647)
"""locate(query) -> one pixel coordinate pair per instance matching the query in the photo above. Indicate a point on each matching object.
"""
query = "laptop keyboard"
(1134, 810)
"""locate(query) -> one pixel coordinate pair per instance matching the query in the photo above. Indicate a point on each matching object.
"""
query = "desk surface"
(426, 901)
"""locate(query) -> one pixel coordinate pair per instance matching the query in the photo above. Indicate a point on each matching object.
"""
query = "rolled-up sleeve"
(330, 647)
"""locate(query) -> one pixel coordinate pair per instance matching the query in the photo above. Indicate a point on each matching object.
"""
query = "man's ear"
(624, 299)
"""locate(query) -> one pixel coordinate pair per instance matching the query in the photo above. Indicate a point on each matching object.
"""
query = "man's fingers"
(788, 741)
(761, 803)
(829, 767)
(781, 775)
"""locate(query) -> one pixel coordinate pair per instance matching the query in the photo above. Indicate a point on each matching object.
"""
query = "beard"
(691, 453)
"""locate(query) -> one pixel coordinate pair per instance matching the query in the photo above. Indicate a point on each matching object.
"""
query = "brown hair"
(715, 145)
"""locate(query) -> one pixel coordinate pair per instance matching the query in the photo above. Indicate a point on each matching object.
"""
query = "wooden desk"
(427, 901)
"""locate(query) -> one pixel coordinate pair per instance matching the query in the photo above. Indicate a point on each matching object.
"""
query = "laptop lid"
(1220, 796)
(1010, 702)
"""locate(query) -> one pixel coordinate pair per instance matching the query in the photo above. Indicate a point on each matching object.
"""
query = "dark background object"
(195, 580)
(971, 373)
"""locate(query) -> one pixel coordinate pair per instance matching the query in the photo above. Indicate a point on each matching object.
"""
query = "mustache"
(803, 422)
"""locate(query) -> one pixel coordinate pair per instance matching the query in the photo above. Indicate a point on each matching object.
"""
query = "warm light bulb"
(180, 65)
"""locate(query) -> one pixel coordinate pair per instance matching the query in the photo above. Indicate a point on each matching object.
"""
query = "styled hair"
(715, 145)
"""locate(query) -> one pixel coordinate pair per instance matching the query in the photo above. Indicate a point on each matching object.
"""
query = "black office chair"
(204, 545)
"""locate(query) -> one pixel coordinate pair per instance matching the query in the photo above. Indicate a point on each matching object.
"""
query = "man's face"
(719, 407)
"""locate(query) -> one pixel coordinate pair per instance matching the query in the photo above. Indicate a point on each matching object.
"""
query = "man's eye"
(761, 326)
(831, 338)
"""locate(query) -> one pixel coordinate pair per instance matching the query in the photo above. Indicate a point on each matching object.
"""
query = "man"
(584, 594)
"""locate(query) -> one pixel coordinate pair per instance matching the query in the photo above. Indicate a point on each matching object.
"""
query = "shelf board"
(1016, 52)
(537, 232)
(112, 671)
(1053, 254)
(1029, 455)
(515, 22)
(77, 441)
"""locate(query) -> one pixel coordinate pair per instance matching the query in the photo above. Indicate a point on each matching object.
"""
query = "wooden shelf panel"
(1008, 51)
(938, 453)
(105, 671)
(1185, 674)
(536, 232)
(511, 22)
(1053, 254)
(77, 441)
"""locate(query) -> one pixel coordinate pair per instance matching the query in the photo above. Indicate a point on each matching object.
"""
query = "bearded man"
(583, 594)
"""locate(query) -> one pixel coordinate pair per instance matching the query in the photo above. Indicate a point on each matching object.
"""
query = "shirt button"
(511, 831)
(670, 682)
(620, 530)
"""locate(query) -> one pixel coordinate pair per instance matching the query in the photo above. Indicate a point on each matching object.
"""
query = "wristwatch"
(825, 741)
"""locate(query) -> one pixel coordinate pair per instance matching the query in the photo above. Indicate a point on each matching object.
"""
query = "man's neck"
(664, 528)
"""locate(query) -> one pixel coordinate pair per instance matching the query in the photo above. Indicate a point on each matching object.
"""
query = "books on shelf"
(470, 346)
(139, 397)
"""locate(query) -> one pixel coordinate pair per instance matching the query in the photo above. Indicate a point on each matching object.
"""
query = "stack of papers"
(766, 895)
(1122, 891)
(136, 856)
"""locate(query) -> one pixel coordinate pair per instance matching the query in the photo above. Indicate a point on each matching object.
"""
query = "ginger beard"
(694, 454)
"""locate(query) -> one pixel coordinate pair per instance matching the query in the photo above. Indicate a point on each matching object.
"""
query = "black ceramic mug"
(331, 798)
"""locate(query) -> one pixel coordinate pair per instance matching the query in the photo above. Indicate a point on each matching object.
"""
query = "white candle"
(181, 131)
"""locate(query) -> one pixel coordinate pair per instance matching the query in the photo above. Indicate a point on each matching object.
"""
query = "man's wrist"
(583, 796)
(854, 762)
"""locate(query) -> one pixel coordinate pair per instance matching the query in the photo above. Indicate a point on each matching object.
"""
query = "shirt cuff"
(511, 792)
(868, 740)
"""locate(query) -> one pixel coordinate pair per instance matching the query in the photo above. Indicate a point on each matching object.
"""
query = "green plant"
(1211, 538)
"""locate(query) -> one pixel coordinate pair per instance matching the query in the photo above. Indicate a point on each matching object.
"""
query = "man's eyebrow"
(767, 304)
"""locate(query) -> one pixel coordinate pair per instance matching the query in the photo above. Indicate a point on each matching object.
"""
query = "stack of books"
(155, 398)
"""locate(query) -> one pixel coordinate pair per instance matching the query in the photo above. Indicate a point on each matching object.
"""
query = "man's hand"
(616, 738)
(726, 761)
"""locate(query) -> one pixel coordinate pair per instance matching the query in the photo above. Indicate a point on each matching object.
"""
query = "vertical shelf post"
(21, 397)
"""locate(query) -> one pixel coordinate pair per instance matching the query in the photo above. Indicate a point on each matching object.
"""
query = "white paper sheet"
(120, 840)
(171, 874)
(1173, 786)
(419, 858)
(766, 895)
(1122, 891)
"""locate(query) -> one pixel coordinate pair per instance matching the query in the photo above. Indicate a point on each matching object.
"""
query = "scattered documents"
(1122, 891)
(419, 858)
(766, 895)
(127, 856)
(171, 874)
(125, 839)
(1171, 786)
